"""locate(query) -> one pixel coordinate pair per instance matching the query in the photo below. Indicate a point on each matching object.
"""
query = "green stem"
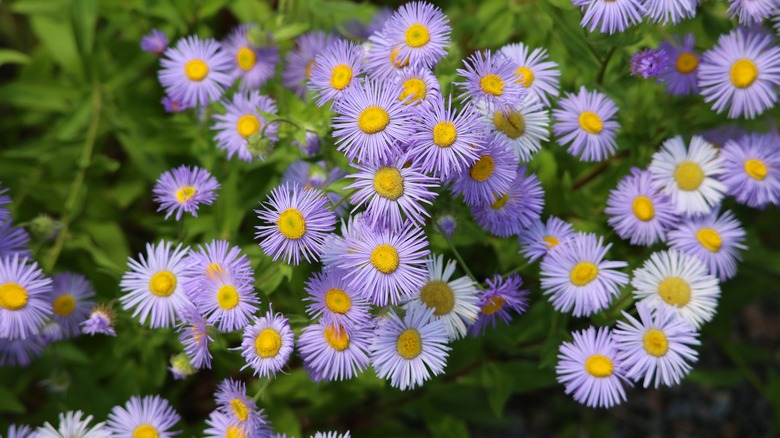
(259, 394)
(750, 375)
(457, 254)
(344, 198)
(600, 77)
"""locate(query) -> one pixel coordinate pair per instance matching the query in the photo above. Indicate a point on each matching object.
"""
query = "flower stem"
(457, 254)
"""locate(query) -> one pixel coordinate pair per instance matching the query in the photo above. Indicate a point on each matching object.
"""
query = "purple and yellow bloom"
(184, 189)
(241, 121)
(534, 71)
(336, 69)
(25, 298)
(610, 16)
(334, 302)
(537, 240)
(173, 106)
(649, 63)
(416, 87)
(242, 411)
(680, 73)
(21, 352)
(71, 301)
(493, 172)
(670, 11)
(194, 336)
(751, 169)
(154, 42)
(195, 72)
(382, 60)
(752, 12)
(13, 240)
(227, 300)
(514, 210)
(586, 122)
(502, 297)
(100, 321)
(267, 344)
(252, 65)
(489, 79)
(214, 259)
(521, 128)
(421, 32)
(299, 62)
(330, 352)
(150, 416)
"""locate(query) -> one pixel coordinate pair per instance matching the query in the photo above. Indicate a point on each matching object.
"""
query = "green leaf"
(85, 13)
(9, 402)
(448, 427)
(8, 56)
(58, 39)
(499, 386)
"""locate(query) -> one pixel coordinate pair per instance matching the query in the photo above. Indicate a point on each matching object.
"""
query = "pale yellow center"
(599, 366)
(385, 259)
(511, 124)
(688, 175)
(246, 58)
(525, 75)
(373, 119)
(388, 183)
(686, 63)
(196, 70)
(583, 273)
(482, 169)
(444, 134)
(755, 169)
(398, 62)
(337, 337)
(493, 305)
(340, 76)
(337, 301)
(417, 35)
(643, 208)
(675, 291)
(185, 193)
(64, 305)
(590, 122)
(163, 283)
(235, 432)
(500, 201)
(655, 342)
(743, 73)
(709, 239)
(240, 409)
(409, 344)
(214, 270)
(292, 224)
(247, 125)
(492, 84)
(308, 69)
(268, 343)
(227, 297)
(12, 296)
(437, 295)
(414, 91)
(551, 241)
(145, 431)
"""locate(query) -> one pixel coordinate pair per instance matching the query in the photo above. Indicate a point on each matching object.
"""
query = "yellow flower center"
(385, 259)
(743, 73)
(482, 169)
(340, 76)
(337, 337)
(409, 344)
(438, 295)
(525, 75)
(688, 175)
(599, 366)
(373, 119)
(308, 69)
(590, 122)
(643, 208)
(444, 134)
(397, 62)
(494, 305)
(235, 432)
(511, 124)
(268, 343)
(755, 169)
(145, 431)
(417, 35)
(196, 70)
(214, 270)
(492, 84)
(240, 409)
(500, 201)
(163, 283)
(185, 193)
(247, 125)
(246, 58)
(292, 224)
(388, 183)
(337, 301)
(583, 273)
(675, 291)
(414, 88)
(551, 241)
(686, 63)
(12, 296)
(64, 305)
(709, 239)
(656, 343)
(227, 297)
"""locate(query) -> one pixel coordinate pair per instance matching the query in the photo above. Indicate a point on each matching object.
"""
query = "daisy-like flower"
(212, 260)
(154, 42)
(502, 297)
(73, 425)
(421, 31)
(194, 336)
(227, 300)
(152, 285)
(393, 192)
(751, 169)
(417, 86)
(387, 266)
(657, 347)
(371, 120)
(221, 425)
(535, 71)
(521, 129)
(298, 222)
(173, 106)
(742, 72)
(493, 172)
(752, 11)
(254, 66)
(446, 141)
(184, 189)
(649, 63)
(538, 239)
(610, 16)
(232, 401)
(638, 212)
(452, 301)
(13, 240)
(299, 62)
(24, 298)
(355, 227)
(151, 416)
(21, 352)
(714, 239)
(331, 435)
(680, 73)
(330, 352)
(22, 431)
(489, 79)
(688, 175)
(577, 279)
(71, 301)
(512, 211)
(196, 71)
(267, 344)
(100, 321)
(382, 60)
(586, 122)
(410, 350)
(333, 301)
(671, 11)
(242, 120)
(335, 70)
(590, 369)
(679, 283)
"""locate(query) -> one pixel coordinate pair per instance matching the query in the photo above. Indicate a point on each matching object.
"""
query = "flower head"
(25, 301)
(227, 300)
(610, 16)
(252, 65)
(184, 189)
(73, 425)
(336, 70)
(194, 336)
(330, 352)
(71, 301)
(520, 129)
(502, 297)
(154, 42)
(752, 12)
(21, 352)
(173, 106)
(514, 210)
(13, 240)
(100, 321)
(751, 169)
(150, 416)
(333, 301)
(534, 71)
(421, 32)
(493, 172)
(241, 128)
(649, 63)
(242, 411)
(489, 79)
(537, 240)
(299, 62)
(671, 11)
(586, 122)
(195, 72)
(680, 72)
(383, 62)
(267, 344)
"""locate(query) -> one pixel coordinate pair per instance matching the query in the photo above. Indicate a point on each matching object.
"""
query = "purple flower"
(417, 87)
(680, 72)
(150, 416)
(502, 297)
(489, 80)
(5, 200)
(193, 335)
(312, 145)
(13, 240)
(195, 72)
(493, 172)
(537, 240)
(382, 60)
(421, 31)
(335, 70)
(671, 11)
(610, 16)
(447, 224)
(173, 106)
(751, 169)
(514, 210)
(22, 431)
(100, 321)
(254, 66)
(299, 62)
(330, 352)
(227, 300)
(71, 301)
(242, 122)
(154, 42)
(212, 260)
(184, 189)
(267, 344)
(242, 412)
(533, 69)
(20, 352)
(752, 11)
(520, 129)
(333, 301)
(649, 63)
(25, 298)
(586, 122)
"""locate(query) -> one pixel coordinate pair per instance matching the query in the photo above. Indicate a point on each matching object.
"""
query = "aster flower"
(657, 347)
(242, 411)
(752, 11)
(590, 369)
(5, 201)
(333, 301)
(267, 344)
(679, 283)
(242, 122)
(152, 285)
(298, 222)
(610, 16)
(227, 300)
(638, 212)
(22, 431)
(253, 65)
(680, 73)
(173, 106)
(521, 128)
(13, 240)
(184, 189)
(71, 301)
(446, 141)
(489, 79)
(299, 62)
(577, 279)
(194, 336)
(355, 227)
(751, 169)
(417, 86)
(330, 352)
(649, 63)
(421, 31)
(24, 298)
(100, 321)
(447, 224)
(742, 72)
(371, 120)
(382, 60)
(670, 11)
(21, 352)
(714, 239)
(331, 435)
(688, 175)
(195, 72)
(212, 260)
(537, 240)
(534, 71)
(514, 210)
(493, 172)
(72, 425)
(150, 416)
(502, 297)
(586, 122)
(335, 70)
(154, 42)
